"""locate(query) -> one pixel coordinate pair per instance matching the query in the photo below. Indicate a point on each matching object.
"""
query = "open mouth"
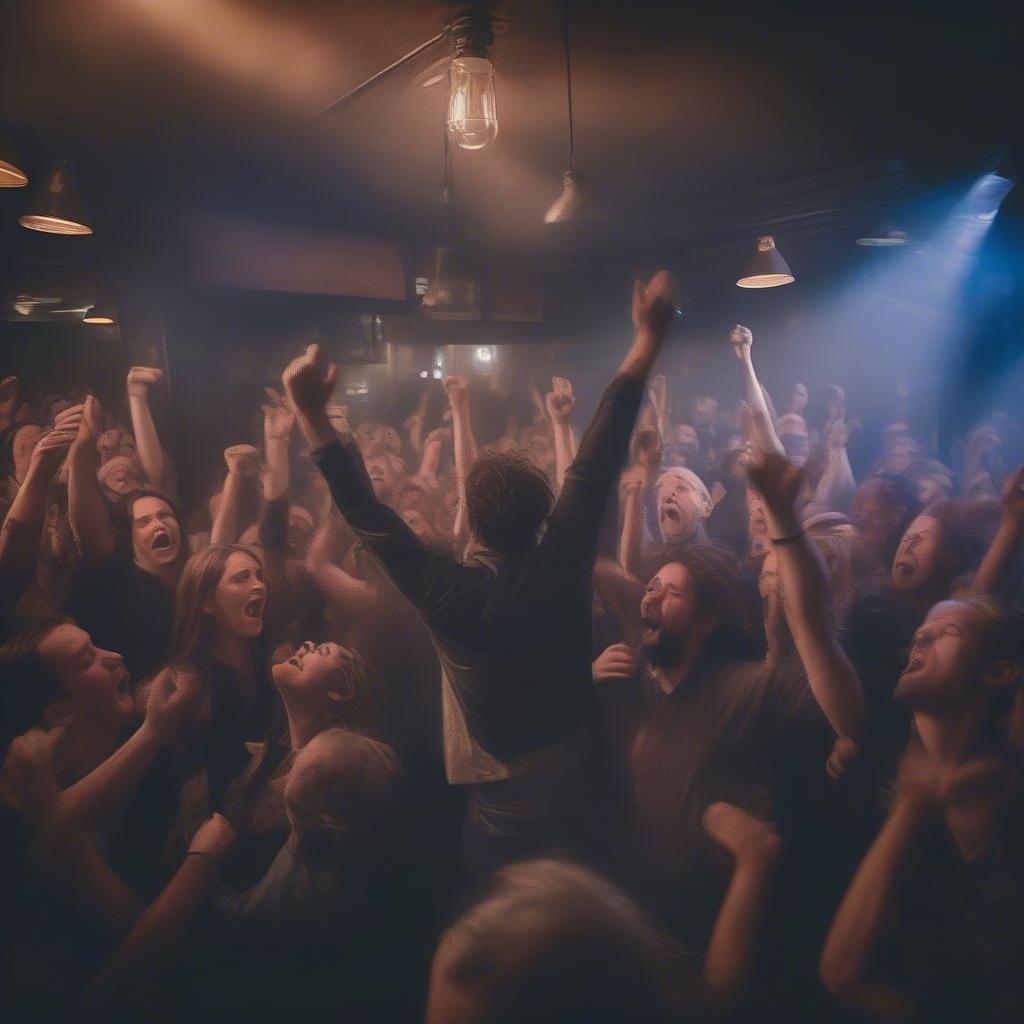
(916, 662)
(670, 512)
(161, 541)
(651, 625)
(124, 684)
(254, 608)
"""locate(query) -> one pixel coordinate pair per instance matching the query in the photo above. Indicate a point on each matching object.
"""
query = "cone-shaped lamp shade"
(11, 174)
(571, 205)
(886, 237)
(57, 208)
(767, 269)
(451, 293)
(102, 313)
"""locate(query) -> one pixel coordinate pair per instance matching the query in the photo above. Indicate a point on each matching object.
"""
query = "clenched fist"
(242, 460)
(141, 379)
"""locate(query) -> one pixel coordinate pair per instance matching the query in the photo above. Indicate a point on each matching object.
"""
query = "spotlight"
(767, 268)
(424, 374)
(484, 354)
(58, 208)
(438, 373)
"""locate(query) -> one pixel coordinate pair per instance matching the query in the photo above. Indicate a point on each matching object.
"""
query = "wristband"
(788, 540)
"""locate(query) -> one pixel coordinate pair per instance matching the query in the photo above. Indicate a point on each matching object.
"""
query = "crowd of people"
(679, 722)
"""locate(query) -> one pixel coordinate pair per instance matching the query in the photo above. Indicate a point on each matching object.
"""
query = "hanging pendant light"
(58, 208)
(571, 206)
(767, 268)
(472, 108)
(11, 174)
(102, 313)
(452, 293)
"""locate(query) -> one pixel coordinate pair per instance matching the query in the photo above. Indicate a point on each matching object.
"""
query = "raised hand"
(91, 425)
(778, 481)
(649, 450)
(560, 400)
(52, 447)
(742, 338)
(278, 417)
(242, 460)
(748, 839)
(309, 381)
(175, 698)
(457, 390)
(214, 839)
(141, 379)
(615, 662)
(654, 303)
(844, 753)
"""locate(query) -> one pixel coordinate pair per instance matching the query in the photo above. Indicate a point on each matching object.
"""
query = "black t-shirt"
(125, 610)
(958, 946)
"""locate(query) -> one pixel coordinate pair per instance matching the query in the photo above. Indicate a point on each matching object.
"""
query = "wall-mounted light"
(484, 354)
(767, 268)
(57, 208)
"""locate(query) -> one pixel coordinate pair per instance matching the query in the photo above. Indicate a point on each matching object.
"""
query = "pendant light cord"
(566, 5)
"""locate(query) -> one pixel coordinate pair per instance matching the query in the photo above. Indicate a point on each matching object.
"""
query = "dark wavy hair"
(718, 579)
(507, 500)
(27, 685)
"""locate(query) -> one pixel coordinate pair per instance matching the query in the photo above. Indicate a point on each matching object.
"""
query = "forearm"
(465, 446)
(90, 520)
(430, 461)
(730, 955)
(105, 788)
(991, 574)
(227, 522)
(836, 486)
(565, 451)
(631, 542)
(22, 530)
(163, 925)
(832, 678)
(860, 921)
(341, 589)
(276, 479)
(151, 453)
(640, 358)
(763, 426)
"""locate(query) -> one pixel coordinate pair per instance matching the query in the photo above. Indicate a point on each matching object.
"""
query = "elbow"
(840, 976)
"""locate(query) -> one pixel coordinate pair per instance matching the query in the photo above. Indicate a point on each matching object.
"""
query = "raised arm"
(755, 848)
(576, 519)
(242, 462)
(465, 447)
(309, 381)
(867, 908)
(278, 424)
(174, 700)
(832, 678)
(23, 527)
(764, 435)
(161, 929)
(151, 454)
(90, 518)
(560, 402)
(991, 575)
(836, 486)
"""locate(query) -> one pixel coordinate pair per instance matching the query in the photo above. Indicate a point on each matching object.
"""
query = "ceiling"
(697, 124)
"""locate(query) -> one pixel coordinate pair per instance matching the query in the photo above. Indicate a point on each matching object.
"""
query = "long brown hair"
(193, 628)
